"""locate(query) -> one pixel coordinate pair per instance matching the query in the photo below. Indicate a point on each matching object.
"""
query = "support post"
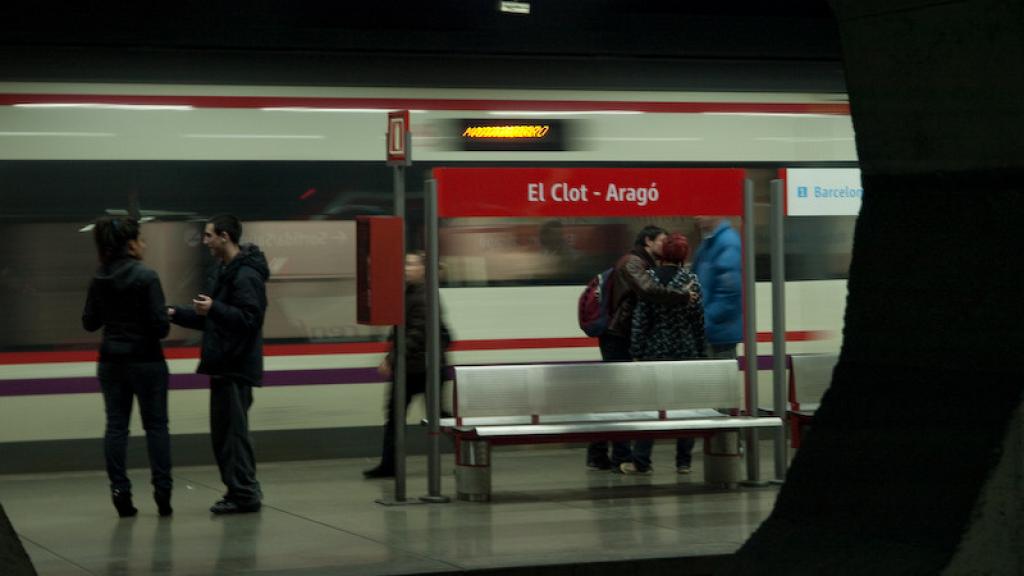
(779, 380)
(750, 331)
(398, 389)
(399, 367)
(434, 364)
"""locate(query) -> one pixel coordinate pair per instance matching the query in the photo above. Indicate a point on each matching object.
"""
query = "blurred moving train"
(297, 164)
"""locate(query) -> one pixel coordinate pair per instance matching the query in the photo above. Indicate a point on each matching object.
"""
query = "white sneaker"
(683, 470)
(630, 469)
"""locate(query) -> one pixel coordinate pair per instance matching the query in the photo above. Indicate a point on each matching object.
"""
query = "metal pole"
(779, 382)
(399, 188)
(750, 330)
(398, 393)
(434, 365)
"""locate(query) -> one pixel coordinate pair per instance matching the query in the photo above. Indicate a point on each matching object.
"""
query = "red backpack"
(595, 304)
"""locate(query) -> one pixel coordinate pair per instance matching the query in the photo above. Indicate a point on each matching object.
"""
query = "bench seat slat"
(812, 375)
(548, 390)
(697, 413)
(571, 418)
(486, 421)
(724, 423)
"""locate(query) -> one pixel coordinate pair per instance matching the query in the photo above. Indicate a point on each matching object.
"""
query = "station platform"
(549, 515)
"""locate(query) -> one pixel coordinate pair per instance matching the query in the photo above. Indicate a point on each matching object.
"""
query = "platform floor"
(319, 517)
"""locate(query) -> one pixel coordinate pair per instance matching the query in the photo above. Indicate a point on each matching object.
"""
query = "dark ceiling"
(653, 45)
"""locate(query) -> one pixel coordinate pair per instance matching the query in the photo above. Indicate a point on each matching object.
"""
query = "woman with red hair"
(668, 332)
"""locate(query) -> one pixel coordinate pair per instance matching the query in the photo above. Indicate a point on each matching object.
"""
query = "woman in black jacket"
(126, 300)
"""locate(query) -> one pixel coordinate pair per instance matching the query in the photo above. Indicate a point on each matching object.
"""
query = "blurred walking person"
(415, 357)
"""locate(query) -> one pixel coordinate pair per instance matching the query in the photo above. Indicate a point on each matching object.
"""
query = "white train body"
(45, 377)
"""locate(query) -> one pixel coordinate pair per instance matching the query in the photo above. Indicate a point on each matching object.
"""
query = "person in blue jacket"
(718, 265)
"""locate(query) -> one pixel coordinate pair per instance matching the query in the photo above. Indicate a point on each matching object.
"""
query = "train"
(297, 164)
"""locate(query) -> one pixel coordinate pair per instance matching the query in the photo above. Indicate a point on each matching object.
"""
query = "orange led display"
(509, 131)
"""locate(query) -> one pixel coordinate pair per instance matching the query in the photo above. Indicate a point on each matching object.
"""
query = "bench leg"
(722, 459)
(794, 431)
(473, 470)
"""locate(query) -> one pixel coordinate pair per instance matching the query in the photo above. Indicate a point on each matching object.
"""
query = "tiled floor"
(320, 518)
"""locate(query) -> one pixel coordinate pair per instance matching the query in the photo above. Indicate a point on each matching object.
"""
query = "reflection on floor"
(320, 518)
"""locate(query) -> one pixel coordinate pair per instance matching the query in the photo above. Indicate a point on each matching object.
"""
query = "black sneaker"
(163, 502)
(599, 465)
(231, 507)
(123, 502)
(379, 472)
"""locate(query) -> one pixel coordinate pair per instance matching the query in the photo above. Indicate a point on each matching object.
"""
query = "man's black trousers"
(230, 400)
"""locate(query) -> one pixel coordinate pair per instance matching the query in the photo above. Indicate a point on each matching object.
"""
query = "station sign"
(380, 266)
(582, 192)
(823, 191)
(399, 139)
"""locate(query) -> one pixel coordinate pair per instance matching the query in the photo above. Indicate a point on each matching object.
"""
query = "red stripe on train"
(368, 348)
(522, 344)
(256, 102)
(797, 335)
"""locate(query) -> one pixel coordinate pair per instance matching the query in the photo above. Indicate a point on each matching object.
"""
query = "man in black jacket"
(230, 314)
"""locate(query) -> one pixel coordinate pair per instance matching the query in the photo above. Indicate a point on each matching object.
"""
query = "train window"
(817, 248)
(301, 213)
(497, 252)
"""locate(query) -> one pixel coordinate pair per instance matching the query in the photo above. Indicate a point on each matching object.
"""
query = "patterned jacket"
(669, 331)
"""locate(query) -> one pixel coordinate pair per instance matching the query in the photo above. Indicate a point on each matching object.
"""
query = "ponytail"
(111, 234)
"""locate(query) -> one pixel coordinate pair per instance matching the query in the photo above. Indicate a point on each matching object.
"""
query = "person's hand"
(170, 311)
(202, 304)
(384, 369)
(694, 296)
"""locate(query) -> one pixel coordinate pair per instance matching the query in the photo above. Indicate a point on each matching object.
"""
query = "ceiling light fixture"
(513, 7)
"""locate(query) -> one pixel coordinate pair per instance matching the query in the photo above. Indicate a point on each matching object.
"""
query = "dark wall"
(769, 29)
(650, 45)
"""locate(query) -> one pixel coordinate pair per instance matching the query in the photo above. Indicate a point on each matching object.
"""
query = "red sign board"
(398, 138)
(609, 192)
(380, 266)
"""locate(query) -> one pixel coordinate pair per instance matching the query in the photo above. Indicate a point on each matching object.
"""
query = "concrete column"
(912, 450)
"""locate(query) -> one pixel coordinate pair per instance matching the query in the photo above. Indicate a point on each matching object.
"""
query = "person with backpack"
(668, 332)
(628, 283)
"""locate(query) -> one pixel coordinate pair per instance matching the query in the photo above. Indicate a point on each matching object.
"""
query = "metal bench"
(530, 404)
(809, 377)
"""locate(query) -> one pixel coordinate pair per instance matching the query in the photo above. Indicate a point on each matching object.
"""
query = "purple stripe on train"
(90, 385)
